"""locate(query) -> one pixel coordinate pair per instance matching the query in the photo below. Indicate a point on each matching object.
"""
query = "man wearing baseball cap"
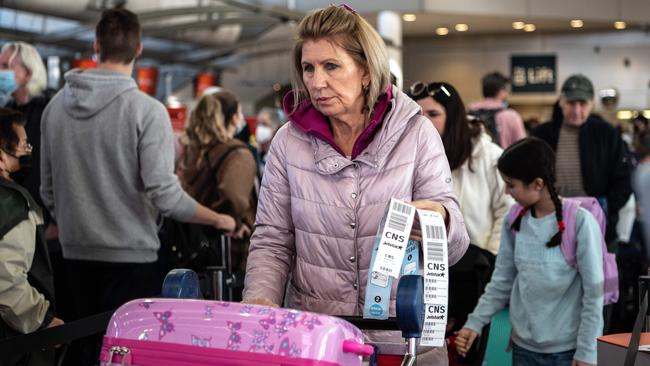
(591, 157)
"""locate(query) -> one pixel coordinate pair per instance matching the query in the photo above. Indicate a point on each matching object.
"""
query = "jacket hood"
(87, 92)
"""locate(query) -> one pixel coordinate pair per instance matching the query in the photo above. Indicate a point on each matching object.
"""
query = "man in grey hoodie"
(107, 170)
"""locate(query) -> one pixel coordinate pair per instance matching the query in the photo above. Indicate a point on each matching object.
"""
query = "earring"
(365, 87)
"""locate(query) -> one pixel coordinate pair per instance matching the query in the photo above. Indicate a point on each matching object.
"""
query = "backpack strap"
(512, 215)
(569, 242)
(214, 169)
(569, 211)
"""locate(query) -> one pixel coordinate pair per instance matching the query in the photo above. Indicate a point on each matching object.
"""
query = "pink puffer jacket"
(318, 211)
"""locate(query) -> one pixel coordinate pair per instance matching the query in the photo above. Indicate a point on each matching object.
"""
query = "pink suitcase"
(198, 332)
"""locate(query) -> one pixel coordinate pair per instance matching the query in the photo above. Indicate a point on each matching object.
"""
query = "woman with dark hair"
(26, 287)
(480, 190)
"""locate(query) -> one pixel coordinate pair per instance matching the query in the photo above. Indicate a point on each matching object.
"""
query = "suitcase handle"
(351, 346)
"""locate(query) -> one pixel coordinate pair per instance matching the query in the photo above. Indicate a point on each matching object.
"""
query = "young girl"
(555, 309)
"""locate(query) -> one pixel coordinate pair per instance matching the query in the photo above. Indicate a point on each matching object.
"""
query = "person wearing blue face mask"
(26, 284)
(7, 86)
(23, 82)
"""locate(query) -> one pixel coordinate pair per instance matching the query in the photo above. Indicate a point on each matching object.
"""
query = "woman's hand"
(580, 363)
(243, 232)
(260, 301)
(431, 206)
(464, 340)
(55, 322)
(416, 231)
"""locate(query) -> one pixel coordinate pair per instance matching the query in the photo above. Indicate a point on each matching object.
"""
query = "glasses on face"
(26, 147)
(419, 89)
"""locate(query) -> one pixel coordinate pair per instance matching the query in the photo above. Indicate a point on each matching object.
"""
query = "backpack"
(488, 118)
(569, 242)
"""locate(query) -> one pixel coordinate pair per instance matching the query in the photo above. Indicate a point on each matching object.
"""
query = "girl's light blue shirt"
(553, 307)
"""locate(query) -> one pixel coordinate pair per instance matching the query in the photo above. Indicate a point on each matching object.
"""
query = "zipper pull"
(124, 352)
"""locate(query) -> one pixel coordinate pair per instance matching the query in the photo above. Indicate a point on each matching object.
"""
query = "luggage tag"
(393, 255)
(436, 278)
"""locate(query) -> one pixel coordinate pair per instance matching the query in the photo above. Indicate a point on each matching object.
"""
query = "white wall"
(463, 61)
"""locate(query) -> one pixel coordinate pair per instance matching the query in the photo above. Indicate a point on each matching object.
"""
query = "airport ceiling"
(210, 33)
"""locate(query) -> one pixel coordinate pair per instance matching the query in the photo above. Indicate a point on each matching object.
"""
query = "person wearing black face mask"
(24, 163)
(27, 301)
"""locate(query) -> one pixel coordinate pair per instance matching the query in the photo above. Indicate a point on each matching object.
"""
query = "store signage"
(533, 73)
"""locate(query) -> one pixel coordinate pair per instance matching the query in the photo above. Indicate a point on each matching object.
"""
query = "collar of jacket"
(312, 122)
(397, 112)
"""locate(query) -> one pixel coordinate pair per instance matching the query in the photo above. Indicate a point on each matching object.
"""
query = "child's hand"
(580, 363)
(464, 340)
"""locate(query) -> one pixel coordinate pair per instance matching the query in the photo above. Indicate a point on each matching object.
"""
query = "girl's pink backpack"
(568, 246)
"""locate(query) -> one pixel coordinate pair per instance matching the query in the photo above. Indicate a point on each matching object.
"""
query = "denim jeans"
(524, 357)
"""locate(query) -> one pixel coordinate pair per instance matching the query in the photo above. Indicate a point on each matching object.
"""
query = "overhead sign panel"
(533, 73)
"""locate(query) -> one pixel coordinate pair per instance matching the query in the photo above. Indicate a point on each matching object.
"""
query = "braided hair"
(527, 160)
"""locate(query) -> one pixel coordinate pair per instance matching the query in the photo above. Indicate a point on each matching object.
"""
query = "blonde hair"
(31, 60)
(348, 30)
(207, 125)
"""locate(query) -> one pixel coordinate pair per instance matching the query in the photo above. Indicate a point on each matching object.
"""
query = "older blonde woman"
(351, 144)
(23, 83)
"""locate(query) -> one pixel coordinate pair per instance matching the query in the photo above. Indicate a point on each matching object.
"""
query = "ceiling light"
(408, 17)
(442, 31)
(529, 28)
(518, 25)
(462, 27)
(624, 114)
(577, 23)
(620, 25)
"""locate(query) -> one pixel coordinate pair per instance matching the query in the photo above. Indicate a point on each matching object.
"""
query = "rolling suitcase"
(200, 332)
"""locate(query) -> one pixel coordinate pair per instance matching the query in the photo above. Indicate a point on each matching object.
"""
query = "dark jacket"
(605, 162)
(33, 111)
